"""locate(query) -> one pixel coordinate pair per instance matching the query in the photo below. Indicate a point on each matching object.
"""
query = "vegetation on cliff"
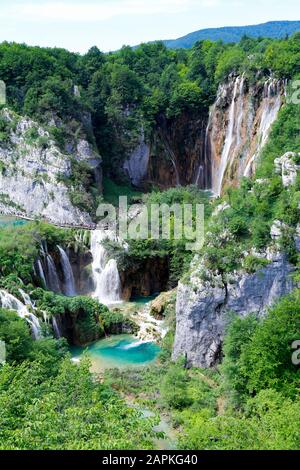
(128, 90)
(251, 401)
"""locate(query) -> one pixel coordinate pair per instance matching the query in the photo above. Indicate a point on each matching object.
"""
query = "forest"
(250, 399)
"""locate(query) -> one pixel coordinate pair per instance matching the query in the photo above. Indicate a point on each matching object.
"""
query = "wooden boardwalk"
(89, 227)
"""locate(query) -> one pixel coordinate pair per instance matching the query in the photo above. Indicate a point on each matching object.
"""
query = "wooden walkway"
(89, 227)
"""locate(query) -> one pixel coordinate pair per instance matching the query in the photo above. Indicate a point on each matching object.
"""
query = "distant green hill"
(272, 29)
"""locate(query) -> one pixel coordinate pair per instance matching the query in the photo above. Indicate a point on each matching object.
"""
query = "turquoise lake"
(120, 351)
(6, 221)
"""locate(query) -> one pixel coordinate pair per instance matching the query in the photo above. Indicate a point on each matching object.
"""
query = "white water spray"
(10, 302)
(229, 138)
(53, 280)
(105, 272)
(69, 282)
(270, 108)
(56, 328)
(41, 272)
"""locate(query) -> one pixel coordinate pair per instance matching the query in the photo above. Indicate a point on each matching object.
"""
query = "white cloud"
(91, 11)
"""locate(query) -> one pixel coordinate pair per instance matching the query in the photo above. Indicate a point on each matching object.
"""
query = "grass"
(112, 191)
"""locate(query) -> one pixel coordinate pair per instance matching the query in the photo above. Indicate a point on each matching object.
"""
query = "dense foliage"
(128, 90)
(89, 319)
(64, 409)
(173, 250)
(20, 246)
(246, 214)
(250, 402)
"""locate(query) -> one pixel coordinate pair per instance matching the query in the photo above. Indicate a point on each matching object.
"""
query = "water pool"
(6, 221)
(120, 351)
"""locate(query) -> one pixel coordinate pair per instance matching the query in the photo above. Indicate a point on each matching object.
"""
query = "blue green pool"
(121, 351)
(143, 300)
(6, 221)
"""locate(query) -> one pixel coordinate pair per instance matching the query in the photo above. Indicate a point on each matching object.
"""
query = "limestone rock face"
(136, 165)
(33, 174)
(209, 148)
(173, 155)
(160, 304)
(287, 167)
(277, 230)
(202, 308)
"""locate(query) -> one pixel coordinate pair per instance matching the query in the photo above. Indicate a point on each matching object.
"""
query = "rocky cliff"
(207, 298)
(34, 171)
(202, 308)
(211, 150)
(172, 155)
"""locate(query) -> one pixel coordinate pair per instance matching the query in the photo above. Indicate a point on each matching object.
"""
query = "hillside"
(271, 29)
(193, 344)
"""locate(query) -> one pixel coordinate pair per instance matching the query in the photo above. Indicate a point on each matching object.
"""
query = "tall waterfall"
(69, 283)
(239, 126)
(53, 279)
(233, 131)
(41, 272)
(56, 327)
(12, 303)
(270, 108)
(105, 272)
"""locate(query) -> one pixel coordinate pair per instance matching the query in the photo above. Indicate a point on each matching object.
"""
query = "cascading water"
(270, 108)
(53, 279)
(106, 275)
(233, 132)
(12, 303)
(56, 327)
(203, 166)
(69, 283)
(41, 272)
(236, 133)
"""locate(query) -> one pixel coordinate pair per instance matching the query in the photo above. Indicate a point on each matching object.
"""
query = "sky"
(78, 25)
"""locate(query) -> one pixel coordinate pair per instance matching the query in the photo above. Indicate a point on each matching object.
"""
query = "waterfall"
(53, 280)
(240, 111)
(105, 273)
(172, 157)
(271, 105)
(238, 128)
(35, 325)
(228, 142)
(41, 272)
(69, 283)
(56, 327)
(204, 165)
(32, 319)
(12, 303)
(233, 133)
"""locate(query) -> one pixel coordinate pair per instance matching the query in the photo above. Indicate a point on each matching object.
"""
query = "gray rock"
(31, 182)
(287, 168)
(136, 165)
(202, 308)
